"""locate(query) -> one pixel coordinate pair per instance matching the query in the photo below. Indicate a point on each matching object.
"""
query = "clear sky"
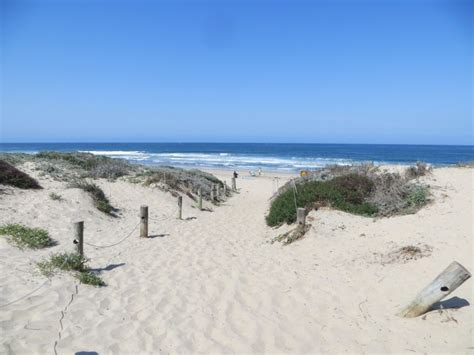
(237, 71)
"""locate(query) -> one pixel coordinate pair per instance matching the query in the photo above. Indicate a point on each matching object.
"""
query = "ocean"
(275, 157)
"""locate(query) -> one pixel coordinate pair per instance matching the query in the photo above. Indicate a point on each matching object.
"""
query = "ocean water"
(276, 157)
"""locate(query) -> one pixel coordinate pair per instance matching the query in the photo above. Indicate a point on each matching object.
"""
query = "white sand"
(216, 284)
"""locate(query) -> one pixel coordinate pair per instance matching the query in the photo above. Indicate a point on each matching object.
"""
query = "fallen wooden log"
(446, 282)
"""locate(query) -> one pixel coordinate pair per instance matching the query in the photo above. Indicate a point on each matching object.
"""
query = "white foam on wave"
(113, 152)
(216, 160)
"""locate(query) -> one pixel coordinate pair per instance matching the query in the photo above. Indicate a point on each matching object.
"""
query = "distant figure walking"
(259, 171)
(236, 175)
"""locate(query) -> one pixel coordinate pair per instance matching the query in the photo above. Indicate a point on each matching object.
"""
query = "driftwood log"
(446, 282)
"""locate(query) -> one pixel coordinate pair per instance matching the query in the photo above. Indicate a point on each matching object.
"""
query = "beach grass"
(25, 237)
(55, 197)
(70, 262)
(101, 201)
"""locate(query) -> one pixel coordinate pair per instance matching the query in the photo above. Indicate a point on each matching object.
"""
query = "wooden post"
(446, 282)
(180, 207)
(234, 185)
(79, 237)
(212, 192)
(301, 216)
(144, 221)
(225, 189)
(200, 199)
(218, 191)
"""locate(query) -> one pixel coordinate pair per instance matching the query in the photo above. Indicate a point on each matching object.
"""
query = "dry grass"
(292, 235)
(405, 254)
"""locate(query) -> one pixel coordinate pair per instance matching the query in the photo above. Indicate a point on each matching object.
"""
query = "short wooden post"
(79, 237)
(144, 221)
(225, 189)
(180, 207)
(212, 192)
(234, 184)
(200, 199)
(301, 216)
(446, 282)
(218, 191)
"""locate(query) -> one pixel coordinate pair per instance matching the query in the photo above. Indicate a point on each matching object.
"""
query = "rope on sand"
(114, 244)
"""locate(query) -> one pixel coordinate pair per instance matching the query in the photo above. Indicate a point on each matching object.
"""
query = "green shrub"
(62, 261)
(101, 202)
(89, 278)
(34, 238)
(347, 193)
(86, 161)
(9, 175)
(416, 198)
(70, 262)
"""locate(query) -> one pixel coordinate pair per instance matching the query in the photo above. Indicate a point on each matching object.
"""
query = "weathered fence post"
(200, 199)
(144, 221)
(79, 237)
(234, 184)
(225, 189)
(301, 216)
(218, 191)
(180, 207)
(212, 192)
(446, 282)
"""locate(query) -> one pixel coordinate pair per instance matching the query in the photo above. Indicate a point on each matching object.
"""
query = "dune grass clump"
(67, 165)
(101, 202)
(55, 197)
(86, 161)
(186, 181)
(110, 169)
(346, 193)
(394, 195)
(9, 175)
(21, 236)
(70, 262)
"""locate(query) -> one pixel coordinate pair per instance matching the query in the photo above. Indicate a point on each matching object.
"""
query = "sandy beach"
(214, 283)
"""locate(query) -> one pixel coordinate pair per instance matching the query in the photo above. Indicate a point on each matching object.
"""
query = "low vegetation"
(101, 201)
(405, 254)
(75, 166)
(25, 237)
(70, 262)
(9, 175)
(55, 197)
(292, 235)
(347, 193)
(186, 181)
(359, 189)
(417, 170)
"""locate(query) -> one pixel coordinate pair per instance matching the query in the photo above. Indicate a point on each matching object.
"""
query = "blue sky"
(237, 71)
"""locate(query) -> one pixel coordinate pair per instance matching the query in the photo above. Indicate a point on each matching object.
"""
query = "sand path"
(215, 284)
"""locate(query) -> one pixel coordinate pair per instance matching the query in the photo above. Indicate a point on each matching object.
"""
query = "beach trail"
(214, 283)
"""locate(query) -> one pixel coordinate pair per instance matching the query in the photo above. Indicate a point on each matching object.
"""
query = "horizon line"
(268, 143)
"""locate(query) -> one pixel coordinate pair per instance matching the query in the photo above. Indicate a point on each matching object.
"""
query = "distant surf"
(276, 157)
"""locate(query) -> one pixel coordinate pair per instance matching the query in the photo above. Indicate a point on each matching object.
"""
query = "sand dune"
(215, 283)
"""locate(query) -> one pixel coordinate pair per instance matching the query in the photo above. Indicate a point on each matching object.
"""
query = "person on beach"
(236, 175)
